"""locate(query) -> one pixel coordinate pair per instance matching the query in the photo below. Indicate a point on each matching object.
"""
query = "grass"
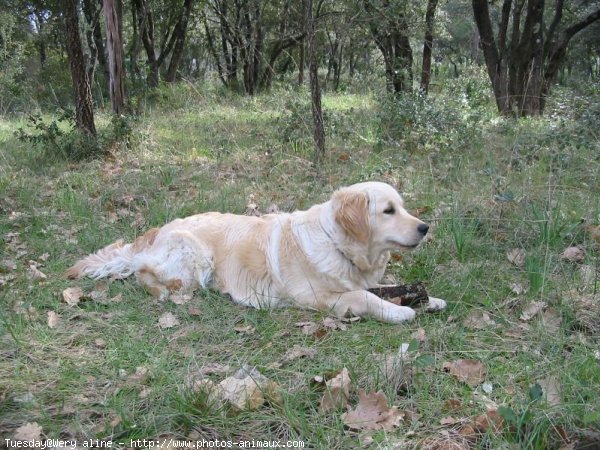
(522, 185)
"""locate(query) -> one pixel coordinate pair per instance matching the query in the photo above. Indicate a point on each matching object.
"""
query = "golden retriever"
(323, 258)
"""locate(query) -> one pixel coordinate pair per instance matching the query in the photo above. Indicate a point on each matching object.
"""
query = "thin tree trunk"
(315, 88)
(115, 58)
(179, 32)
(428, 46)
(84, 111)
(301, 65)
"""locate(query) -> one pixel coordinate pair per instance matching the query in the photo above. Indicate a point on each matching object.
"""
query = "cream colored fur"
(323, 258)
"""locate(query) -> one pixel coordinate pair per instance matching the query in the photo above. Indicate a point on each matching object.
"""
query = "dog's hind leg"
(176, 262)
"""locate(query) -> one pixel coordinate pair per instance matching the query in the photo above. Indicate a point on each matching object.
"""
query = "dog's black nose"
(423, 228)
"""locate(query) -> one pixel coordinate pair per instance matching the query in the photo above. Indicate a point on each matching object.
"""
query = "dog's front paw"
(436, 304)
(398, 314)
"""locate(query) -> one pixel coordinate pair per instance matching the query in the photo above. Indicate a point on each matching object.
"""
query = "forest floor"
(514, 362)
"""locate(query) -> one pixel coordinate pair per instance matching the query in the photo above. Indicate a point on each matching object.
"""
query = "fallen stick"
(403, 294)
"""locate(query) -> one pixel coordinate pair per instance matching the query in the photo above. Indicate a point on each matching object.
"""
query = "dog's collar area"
(340, 251)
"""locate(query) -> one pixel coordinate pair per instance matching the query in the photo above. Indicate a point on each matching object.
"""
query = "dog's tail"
(114, 260)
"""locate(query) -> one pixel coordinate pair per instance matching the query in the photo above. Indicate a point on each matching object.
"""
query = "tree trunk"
(301, 65)
(315, 88)
(115, 58)
(179, 32)
(84, 111)
(390, 33)
(523, 69)
(428, 46)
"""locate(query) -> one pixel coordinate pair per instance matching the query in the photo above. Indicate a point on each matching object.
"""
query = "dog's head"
(373, 213)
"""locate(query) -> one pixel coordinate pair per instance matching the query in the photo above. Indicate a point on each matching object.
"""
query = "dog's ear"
(351, 210)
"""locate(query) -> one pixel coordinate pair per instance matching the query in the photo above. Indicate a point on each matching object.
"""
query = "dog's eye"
(389, 210)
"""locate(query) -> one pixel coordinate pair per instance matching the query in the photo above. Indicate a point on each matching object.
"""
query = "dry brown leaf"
(248, 389)
(167, 320)
(180, 299)
(469, 371)
(518, 288)
(140, 376)
(420, 335)
(244, 329)
(72, 295)
(516, 256)
(532, 310)
(479, 320)
(31, 431)
(551, 389)
(298, 351)
(214, 368)
(34, 274)
(573, 254)
(53, 319)
(193, 311)
(552, 320)
(334, 324)
(312, 329)
(337, 392)
(448, 420)
(491, 419)
(372, 413)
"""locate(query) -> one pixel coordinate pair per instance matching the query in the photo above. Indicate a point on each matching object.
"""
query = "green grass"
(511, 185)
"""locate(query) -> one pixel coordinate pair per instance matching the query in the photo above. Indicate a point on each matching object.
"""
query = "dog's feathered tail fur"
(114, 260)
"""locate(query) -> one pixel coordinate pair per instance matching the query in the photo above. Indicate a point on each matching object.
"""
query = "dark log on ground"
(403, 294)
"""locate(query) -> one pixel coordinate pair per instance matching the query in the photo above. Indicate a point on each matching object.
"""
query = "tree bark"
(84, 111)
(179, 32)
(522, 69)
(315, 88)
(115, 58)
(428, 46)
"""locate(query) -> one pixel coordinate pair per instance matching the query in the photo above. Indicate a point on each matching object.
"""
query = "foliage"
(59, 137)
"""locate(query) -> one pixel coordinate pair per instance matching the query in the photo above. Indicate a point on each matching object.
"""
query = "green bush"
(59, 138)
(416, 123)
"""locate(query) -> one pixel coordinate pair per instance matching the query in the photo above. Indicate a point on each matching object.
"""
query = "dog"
(324, 258)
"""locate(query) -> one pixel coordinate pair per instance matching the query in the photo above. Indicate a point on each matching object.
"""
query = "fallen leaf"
(53, 319)
(193, 311)
(248, 389)
(337, 392)
(100, 343)
(448, 421)
(44, 257)
(479, 320)
(491, 419)
(180, 299)
(420, 335)
(551, 389)
(516, 256)
(72, 295)
(552, 320)
(452, 405)
(31, 431)
(214, 368)
(34, 274)
(312, 329)
(244, 329)
(469, 371)
(372, 413)
(518, 288)
(573, 254)
(333, 324)
(532, 310)
(140, 375)
(297, 352)
(167, 320)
